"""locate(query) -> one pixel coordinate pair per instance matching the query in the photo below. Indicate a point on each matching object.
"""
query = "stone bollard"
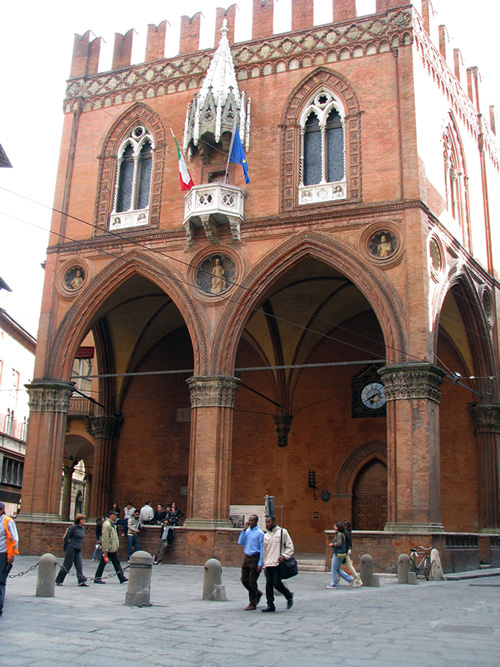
(437, 573)
(212, 581)
(403, 568)
(139, 580)
(46, 576)
(366, 572)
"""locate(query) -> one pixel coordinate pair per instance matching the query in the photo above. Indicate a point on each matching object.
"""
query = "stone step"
(311, 565)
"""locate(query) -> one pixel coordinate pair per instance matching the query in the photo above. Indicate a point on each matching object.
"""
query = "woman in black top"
(174, 515)
(72, 545)
(348, 562)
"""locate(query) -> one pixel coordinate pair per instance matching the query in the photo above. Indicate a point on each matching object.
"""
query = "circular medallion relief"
(74, 278)
(382, 244)
(436, 257)
(488, 307)
(215, 274)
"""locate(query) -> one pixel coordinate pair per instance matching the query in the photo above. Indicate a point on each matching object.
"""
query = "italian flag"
(184, 176)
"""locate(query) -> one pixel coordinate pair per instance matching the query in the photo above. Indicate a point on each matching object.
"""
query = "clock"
(368, 394)
(373, 395)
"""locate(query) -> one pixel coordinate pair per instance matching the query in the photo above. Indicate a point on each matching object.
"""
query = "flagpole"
(230, 150)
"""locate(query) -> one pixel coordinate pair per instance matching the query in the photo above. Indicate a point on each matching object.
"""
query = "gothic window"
(455, 179)
(133, 181)
(322, 149)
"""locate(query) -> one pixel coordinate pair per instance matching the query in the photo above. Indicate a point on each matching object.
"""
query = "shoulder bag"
(287, 568)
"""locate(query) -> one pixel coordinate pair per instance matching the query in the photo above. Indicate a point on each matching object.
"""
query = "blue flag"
(238, 154)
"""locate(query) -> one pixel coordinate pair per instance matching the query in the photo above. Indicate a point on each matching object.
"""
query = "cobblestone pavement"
(434, 623)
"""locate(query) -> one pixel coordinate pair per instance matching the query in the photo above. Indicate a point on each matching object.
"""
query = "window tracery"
(133, 182)
(455, 179)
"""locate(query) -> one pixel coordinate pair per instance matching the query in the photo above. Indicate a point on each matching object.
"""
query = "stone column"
(66, 492)
(486, 420)
(413, 485)
(105, 429)
(212, 403)
(48, 402)
(88, 494)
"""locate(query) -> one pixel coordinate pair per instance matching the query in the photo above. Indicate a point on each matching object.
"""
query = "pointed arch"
(138, 114)
(360, 457)
(463, 288)
(344, 99)
(78, 318)
(331, 252)
(456, 178)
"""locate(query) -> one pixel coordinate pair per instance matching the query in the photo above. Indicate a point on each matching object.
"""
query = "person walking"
(252, 539)
(339, 546)
(348, 562)
(9, 541)
(278, 547)
(110, 545)
(133, 530)
(98, 533)
(72, 546)
(166, 537)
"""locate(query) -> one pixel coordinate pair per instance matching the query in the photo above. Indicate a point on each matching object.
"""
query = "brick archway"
(383, 300)
(374, 449)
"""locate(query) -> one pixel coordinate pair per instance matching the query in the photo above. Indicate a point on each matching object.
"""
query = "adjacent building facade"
(325, 334)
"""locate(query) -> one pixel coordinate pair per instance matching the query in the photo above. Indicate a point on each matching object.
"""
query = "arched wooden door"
(369, 500)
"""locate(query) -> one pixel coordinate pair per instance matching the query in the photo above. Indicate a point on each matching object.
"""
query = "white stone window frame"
(323, 191)
(134, 217)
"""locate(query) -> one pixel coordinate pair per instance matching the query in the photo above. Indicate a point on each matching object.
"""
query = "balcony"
(80, 407)
(210, 206)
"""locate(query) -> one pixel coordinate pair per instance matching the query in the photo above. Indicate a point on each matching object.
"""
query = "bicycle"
(424, 566)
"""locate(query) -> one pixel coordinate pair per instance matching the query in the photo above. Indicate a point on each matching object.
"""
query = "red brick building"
(338, 314)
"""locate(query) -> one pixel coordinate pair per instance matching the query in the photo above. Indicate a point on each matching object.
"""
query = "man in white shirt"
(278, 547)
(9, 540)
(147, 513)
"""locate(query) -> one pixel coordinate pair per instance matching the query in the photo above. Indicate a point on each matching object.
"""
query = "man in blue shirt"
(252, 539)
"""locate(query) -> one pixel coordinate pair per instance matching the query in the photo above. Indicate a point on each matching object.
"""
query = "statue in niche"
(382, 244)
(218, 278)
(75, 278)
(215, 274)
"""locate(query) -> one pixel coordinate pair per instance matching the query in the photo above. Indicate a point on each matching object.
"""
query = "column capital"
(49, 395)
(217, 391)
(104, 426)
(412, 380)
(486, 418)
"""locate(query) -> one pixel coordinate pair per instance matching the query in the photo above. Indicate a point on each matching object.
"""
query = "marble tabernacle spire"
(210, 116)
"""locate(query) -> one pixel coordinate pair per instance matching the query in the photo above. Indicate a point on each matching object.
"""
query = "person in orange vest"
(8, 549)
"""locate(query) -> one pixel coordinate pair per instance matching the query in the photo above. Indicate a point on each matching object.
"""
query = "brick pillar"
(230, 15)
(262, 19)
(105, 429)
(302, 14)
(212, 403)
(155, 43)
(88, 494)
(344, 10)
(66, 492)
(486, 420)
(413, 485)
(48, 402)
(190, 34)
(122, 52)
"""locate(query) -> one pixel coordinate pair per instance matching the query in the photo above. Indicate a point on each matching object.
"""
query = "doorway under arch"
(369, 498)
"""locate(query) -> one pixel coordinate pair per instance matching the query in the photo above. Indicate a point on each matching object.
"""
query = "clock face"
(373, 396)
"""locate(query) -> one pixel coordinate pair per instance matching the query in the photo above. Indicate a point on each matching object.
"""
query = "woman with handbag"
(339, 546)
(72, 545)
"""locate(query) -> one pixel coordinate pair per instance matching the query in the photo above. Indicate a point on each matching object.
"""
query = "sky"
(36, 44)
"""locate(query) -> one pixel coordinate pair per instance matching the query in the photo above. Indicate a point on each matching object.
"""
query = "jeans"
(337, 569)
(132, 543)
(113, 557)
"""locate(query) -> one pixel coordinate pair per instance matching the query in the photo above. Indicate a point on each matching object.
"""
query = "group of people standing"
(267, 550)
